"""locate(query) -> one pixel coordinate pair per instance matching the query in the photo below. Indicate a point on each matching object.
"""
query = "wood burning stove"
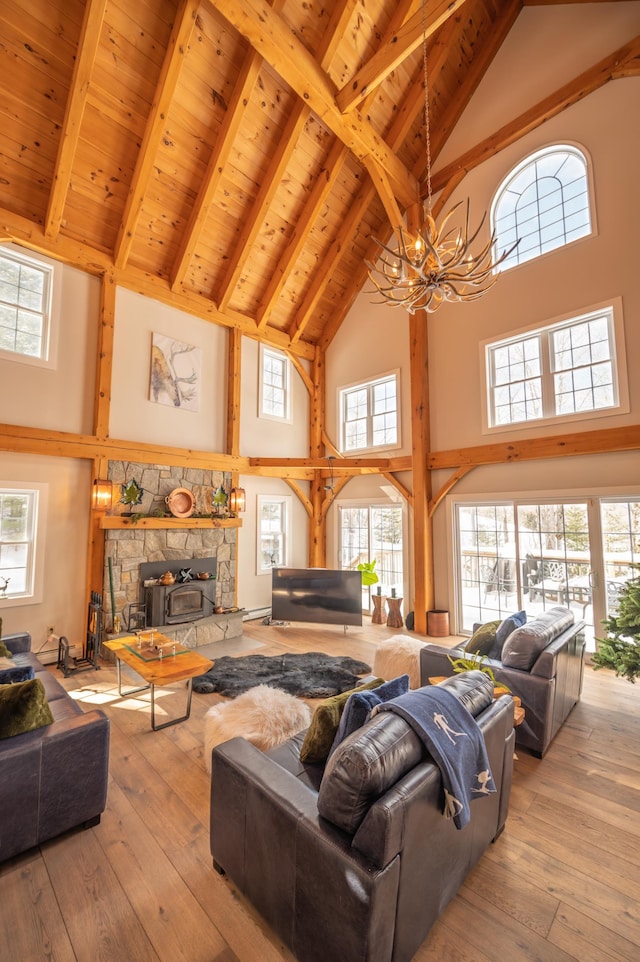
(190, 597)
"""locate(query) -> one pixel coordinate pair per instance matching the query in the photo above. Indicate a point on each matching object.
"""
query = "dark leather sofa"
(54, 778)
(372, 891)
(548, 688)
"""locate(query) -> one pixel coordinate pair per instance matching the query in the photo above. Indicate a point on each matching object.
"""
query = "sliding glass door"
(533, 555)
(373, 531)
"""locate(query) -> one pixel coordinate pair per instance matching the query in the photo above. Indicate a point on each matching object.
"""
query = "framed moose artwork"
(175, 373)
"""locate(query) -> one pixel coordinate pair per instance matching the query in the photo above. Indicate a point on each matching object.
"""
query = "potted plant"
(620, 648)
(369, 576)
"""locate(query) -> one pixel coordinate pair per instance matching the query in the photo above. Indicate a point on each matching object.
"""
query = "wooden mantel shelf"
(114, 521)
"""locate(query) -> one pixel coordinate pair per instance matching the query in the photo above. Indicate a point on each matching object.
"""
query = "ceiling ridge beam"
(619, 63)
(394, 52)
(88, 43)
(163, 96)
(290, 59)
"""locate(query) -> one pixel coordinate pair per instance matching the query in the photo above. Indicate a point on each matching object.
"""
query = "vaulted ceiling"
(238, 154)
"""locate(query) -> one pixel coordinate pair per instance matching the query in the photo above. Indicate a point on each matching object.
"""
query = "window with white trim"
(26, 286)
(544, 204)
(274, 519)
(565, 370)
(18, 527)
(275, 385)
(369, 415)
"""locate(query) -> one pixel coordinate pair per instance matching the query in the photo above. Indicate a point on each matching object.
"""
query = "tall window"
(25, 306)
(18, 517)
(369, 532)
(275, 385)
(369, 416)
(274, 514)
(566, 370)
(543, 203)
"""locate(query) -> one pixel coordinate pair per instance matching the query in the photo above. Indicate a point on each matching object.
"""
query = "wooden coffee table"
(159, 661)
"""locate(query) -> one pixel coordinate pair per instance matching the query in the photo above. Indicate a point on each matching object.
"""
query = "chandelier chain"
(434, 264)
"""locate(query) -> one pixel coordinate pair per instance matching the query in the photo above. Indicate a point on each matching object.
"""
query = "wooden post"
(234, 365)
(420, 439)
(317, 524)
(101, 413)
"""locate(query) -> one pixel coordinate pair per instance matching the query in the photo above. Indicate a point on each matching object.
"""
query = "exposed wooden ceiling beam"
(534, 449)
(322, 187)
(271, 36)
(76, 102)
(278, 164)
(339, 465)
(622, 62)
(31, 236)
(395, 51)
(219, 157)
(154, 130)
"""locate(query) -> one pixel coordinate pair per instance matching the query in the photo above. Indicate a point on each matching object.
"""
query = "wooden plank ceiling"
(235, 152)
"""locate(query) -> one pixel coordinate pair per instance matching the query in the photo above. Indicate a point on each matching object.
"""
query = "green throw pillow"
(324, 725)
(23, 708)
(483, 639)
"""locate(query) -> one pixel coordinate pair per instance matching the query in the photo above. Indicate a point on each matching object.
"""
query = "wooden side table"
(378, 617)
(394, 618)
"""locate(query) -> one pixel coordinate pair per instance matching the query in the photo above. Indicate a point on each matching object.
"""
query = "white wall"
(65, 547)
(136, 418)
(262, 437)
(59, 397)
(254, 590)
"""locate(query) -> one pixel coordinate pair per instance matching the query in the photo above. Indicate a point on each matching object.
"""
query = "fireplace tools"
(91, 650)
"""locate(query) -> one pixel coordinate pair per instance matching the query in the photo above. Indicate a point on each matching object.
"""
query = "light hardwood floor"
(562, 883)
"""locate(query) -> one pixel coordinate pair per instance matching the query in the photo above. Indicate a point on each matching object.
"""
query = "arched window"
(544, 202)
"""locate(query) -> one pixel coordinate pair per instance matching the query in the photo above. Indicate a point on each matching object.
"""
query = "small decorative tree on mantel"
(620, 648)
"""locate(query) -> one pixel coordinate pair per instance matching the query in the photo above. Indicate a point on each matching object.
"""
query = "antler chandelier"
(436, 264)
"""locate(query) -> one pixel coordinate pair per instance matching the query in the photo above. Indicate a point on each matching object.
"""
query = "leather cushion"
(9, 676)
(524, 645)
(324, 725)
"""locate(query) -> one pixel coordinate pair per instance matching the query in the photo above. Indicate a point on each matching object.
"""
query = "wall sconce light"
(101, 494)
(237, 500)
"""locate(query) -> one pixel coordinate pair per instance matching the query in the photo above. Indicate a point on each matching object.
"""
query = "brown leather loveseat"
(369, 888)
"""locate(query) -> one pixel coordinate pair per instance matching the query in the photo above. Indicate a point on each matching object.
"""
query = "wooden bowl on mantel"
(181, 503)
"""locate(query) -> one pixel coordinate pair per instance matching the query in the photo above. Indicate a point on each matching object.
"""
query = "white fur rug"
(264, 716)
(399, 655)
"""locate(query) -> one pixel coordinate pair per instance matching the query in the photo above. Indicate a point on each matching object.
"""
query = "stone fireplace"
(200, 542)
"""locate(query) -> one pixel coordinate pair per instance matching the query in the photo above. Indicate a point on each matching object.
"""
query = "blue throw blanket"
(455, 742)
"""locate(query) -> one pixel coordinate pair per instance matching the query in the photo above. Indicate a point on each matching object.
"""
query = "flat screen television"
(316, 595)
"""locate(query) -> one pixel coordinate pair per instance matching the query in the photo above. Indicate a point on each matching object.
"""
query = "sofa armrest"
(546, 663)
(74, 772)
(18, 642)
(53, 779)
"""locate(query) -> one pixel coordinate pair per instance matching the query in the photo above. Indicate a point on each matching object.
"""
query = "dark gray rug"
(312, 674)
